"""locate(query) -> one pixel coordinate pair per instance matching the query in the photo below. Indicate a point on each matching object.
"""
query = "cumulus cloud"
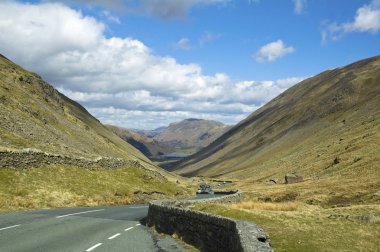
(117, 79)
(367, 19)
(299, 6)
(273, 51)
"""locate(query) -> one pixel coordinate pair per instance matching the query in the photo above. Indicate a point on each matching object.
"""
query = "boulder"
(293, 178)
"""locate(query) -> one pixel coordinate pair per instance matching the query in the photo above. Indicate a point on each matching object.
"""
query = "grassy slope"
(309, 228)
(34, 115)
(334, 114)
(68, 186)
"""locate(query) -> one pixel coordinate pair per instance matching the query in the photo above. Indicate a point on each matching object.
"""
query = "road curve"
(76, 229)
(110, 228)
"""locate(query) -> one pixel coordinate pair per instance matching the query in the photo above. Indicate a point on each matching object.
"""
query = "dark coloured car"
(205, 189)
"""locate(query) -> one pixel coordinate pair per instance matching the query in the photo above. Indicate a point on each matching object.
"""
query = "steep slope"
(35, 115)
(53, 153)
(148, 146)
(191, 133)
(327, 125)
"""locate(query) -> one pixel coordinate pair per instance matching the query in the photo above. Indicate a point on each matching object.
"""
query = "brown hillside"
(35, 115)
(148, 146)
(191, 133)
(326, 125)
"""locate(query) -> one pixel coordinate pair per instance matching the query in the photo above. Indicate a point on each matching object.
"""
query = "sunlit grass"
(309, 228)
(58, 186)
(282, 206)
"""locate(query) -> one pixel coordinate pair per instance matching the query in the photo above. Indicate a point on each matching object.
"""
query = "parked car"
(205, 189)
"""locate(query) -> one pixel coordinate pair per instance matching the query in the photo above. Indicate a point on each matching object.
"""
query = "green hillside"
(53, 153)
(327, 125)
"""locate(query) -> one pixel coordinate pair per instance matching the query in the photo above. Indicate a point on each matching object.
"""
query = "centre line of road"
(128, 229)
(9, 227)
(94, 247)
(79, 213)
(114, 236)
(138, 207)
(138, 224)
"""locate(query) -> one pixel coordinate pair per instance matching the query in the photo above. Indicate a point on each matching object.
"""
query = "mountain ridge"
(188, 136)
(305, 109)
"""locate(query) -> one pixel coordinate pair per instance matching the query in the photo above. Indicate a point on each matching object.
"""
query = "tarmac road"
(111, 228)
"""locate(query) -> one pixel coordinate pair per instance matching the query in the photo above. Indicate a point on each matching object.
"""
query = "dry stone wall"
(30, 158)
(205, 231)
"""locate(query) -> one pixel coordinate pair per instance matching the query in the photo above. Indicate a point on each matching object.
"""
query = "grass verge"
(309, 228)
(69, 186)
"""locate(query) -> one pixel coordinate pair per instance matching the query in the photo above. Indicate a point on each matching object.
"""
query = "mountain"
(327, 125)
(148, 146)
(191, 133)
(35, 115)
(187, 136)
(53, 153)
(149, 133)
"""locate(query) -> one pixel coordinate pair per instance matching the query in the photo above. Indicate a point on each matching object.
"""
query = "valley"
(193, 125)
(323, 131)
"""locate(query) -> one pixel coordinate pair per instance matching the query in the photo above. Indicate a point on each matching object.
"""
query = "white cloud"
(183, 44)
(110, 17)
(299, 6)
(367, 19)
(273, 51)
(118, 79)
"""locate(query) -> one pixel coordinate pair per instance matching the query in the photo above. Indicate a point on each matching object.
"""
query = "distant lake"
(174, 155)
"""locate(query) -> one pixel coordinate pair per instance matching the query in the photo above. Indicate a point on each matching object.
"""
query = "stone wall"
(206, 231)
(28, 158)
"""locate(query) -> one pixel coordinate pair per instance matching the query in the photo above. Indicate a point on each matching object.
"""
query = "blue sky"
(146, 63)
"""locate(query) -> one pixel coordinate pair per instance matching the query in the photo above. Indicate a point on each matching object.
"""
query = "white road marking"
(94, 247)
(138, 207)
(138, 224)
(114, 236)
(9, 227)
(79, 213)
(128, 229)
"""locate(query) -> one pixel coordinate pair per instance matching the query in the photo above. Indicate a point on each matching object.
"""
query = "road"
(116, 228)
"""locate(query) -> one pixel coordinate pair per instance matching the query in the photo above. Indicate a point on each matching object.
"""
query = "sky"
(146, 63)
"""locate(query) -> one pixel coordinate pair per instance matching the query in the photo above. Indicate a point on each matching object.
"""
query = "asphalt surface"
(117, 228)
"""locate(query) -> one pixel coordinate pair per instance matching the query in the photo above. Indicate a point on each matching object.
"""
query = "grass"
(332, 115)
(296, 216)
(308, 228)
(68, 186)
(251, 205)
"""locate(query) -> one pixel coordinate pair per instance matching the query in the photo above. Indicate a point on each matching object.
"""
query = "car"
(205, 189)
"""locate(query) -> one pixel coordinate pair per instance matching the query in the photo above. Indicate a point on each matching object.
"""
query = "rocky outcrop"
(370, 218)
(205, 231)
(293, 178)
